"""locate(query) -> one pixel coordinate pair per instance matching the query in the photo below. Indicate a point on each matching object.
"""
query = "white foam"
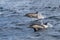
(50, 25)
(40, 16)
(0, 13)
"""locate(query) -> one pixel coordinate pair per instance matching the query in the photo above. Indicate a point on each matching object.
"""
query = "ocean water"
(14, 25)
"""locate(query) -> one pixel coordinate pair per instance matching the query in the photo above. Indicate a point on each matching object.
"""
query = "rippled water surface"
(14, 25)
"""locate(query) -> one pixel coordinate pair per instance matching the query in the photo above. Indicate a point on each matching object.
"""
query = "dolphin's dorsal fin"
(36, 12)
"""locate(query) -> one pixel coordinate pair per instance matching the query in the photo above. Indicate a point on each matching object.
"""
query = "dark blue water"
(14, 25)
